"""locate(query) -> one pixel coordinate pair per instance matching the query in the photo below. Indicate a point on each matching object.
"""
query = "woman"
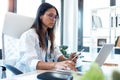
(37, 49)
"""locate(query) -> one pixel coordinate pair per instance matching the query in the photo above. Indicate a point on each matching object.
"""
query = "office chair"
(14, 26)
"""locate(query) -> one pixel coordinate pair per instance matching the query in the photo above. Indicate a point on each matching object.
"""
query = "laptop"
(100, 59)
(103, 54)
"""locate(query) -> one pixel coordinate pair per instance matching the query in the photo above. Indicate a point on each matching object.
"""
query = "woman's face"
(49, 18)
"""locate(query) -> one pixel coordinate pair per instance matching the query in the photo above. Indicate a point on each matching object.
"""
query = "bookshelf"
(105, 26)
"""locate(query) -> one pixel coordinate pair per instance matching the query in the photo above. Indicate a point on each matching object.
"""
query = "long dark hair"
(39, 29)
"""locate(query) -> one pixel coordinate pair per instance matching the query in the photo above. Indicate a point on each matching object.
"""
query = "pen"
(77, 54)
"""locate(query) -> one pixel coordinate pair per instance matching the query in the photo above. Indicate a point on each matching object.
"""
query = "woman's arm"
(56, 65)
(45, 65)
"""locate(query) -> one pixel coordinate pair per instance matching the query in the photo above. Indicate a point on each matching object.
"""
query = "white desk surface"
(107, 70)
(26, 76)
(33, 75)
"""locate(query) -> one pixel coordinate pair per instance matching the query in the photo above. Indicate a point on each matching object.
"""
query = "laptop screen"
(103, 54)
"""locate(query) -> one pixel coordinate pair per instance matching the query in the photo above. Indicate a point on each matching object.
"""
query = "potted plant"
(63, 49)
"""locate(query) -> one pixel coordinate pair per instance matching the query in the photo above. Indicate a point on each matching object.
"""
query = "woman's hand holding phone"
(74, 56)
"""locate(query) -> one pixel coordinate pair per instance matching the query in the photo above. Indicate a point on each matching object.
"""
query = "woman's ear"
(41, 17)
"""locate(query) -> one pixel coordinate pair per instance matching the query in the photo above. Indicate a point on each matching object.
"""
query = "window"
(28, 7)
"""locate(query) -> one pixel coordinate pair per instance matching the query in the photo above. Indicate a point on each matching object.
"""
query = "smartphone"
(77, 54)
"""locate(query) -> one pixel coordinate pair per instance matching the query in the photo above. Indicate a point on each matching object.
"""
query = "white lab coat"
(31, 52)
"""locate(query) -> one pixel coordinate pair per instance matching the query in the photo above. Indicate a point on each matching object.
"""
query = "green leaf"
(116, 75)
(94, 73)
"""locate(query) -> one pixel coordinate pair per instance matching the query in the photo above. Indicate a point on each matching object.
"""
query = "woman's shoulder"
(30, 32)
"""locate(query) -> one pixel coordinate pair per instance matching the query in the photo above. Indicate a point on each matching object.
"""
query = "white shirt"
(31, 52)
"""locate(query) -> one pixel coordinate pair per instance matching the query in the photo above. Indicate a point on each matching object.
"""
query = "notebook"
(55, 75)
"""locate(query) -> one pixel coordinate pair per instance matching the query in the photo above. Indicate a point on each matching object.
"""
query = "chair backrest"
(15, 25)
(0, 53)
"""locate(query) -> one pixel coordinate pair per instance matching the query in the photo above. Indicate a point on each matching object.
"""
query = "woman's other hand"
(65, 65)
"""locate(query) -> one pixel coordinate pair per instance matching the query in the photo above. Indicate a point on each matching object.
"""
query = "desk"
(107, 70)
(111, 63)
(33, 75)
(26, 76)
(30, 75)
